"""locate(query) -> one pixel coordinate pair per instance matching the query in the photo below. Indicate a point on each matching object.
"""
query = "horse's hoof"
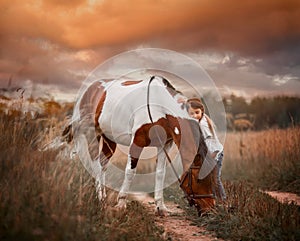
(162, 212)
(101, 197)
(121, 205)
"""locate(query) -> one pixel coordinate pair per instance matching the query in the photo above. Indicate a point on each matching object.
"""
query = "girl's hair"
(196, 103)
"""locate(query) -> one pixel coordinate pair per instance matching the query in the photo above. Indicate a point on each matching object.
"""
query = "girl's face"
(195, 113)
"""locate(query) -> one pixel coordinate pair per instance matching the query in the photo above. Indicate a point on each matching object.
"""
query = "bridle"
(188, 174)
(192, 196)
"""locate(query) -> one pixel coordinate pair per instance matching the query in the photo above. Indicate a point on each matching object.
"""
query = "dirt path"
(176, 225)
(285, 197)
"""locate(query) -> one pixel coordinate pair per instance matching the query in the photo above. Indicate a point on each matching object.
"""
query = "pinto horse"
(140, 114)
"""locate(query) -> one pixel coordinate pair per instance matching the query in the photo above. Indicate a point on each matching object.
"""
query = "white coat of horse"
(139, 114)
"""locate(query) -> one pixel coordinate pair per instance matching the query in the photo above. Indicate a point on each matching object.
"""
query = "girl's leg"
(221, 191)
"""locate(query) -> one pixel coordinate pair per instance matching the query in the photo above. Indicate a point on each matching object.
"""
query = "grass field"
(45, 198)
(255, 161)
(269, 159)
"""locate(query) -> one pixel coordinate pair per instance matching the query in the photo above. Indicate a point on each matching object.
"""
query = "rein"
(150, 116)
(188, 174)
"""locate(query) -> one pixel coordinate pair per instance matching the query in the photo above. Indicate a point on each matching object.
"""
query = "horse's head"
(199, 193)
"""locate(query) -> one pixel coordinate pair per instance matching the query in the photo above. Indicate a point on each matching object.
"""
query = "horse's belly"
(118, 135)
(115, 125)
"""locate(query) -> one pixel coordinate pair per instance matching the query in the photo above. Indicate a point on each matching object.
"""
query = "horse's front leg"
(130, 171)
(161, 209)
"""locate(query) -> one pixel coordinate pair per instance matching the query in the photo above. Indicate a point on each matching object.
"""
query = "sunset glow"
(248, 47)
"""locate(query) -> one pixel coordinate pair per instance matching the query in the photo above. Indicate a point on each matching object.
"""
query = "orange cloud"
(33, 32)
(228, 25)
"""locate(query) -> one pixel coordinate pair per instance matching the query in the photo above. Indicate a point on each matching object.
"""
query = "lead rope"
(162, 145)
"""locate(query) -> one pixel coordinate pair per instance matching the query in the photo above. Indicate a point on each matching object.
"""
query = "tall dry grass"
(270, 158)
(247, 215)
(44, 198)
(254, 160)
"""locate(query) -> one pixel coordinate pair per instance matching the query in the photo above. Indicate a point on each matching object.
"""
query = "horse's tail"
(60, 141)
(67, 134)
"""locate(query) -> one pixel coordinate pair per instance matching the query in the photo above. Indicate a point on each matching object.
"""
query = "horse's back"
(125, 108)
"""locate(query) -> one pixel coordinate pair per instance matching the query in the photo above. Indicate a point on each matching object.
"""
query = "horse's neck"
(187, 140)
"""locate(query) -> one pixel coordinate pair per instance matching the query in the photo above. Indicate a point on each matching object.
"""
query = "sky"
(248, 48)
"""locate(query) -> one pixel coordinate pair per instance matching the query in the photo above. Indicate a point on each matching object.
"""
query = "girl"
(215, 148)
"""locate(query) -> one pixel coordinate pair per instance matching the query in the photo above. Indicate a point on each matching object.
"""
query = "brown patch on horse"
(87, 110)
(131, 82)
(199, 192)
(152, 134)
(88, 102)
(157, 134)
(108, 150)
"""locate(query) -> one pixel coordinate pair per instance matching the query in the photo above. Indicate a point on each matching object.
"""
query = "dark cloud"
(58, 42)
(35, 61)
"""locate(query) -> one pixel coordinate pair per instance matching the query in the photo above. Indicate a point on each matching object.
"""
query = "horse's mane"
(170, 86)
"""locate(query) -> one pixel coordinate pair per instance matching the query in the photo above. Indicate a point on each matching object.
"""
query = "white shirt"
(212, 142)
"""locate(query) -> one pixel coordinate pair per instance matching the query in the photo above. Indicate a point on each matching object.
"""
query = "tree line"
(257, 114)
(263, 112)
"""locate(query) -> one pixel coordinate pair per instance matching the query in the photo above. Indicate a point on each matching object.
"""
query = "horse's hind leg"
(106, 150)
(130, 171)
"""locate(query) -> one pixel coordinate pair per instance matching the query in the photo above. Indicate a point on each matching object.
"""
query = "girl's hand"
(214, 154)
